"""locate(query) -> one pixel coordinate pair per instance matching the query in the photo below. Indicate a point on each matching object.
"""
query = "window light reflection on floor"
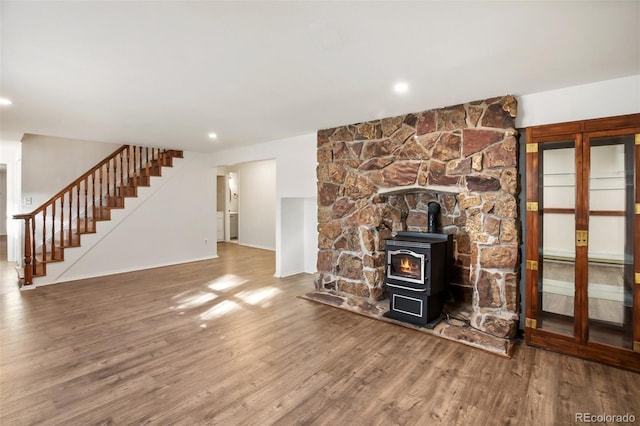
(195, 300)
(222, 308)
(226, 282)
(258, 297)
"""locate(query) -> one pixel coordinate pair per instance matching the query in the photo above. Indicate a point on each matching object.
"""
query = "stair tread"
(70, 245)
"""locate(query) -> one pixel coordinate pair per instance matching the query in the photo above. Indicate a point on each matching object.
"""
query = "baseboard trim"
(125, 270)
(257, 247)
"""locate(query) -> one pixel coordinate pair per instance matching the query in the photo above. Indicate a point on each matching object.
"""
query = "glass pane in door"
(557, 201)
(610, 258)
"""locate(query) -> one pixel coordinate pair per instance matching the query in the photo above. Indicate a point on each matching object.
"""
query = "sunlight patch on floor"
(260, 297)
(222, 308)
(195, 300)
(226, 282)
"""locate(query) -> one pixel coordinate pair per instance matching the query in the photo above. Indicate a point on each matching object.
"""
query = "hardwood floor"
(224, 342)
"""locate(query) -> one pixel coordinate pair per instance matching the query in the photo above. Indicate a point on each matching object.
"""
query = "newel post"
(27, 267)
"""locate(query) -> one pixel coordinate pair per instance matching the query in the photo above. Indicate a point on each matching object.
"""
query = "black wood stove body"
(417, 267)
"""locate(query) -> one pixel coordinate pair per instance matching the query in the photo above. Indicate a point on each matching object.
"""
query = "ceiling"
(168, 73)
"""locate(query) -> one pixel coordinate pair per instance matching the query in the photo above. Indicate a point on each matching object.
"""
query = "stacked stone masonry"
(376, 178)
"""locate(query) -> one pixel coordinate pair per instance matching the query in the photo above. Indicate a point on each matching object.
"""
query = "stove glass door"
(406, 265)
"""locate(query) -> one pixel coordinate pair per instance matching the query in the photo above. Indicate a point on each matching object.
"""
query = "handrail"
(58, 222)
(23, 216)
(74, 183)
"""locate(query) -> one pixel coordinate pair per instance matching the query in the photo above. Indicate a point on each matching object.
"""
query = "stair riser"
(70, 239)
(41, 270)
(141, 181)
(86, 227)
(114, 202)
(128, 191)
(59, 257)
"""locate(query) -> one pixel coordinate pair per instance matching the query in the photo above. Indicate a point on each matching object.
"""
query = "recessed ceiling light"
(5, 101)
(213, 136)
(401, 87)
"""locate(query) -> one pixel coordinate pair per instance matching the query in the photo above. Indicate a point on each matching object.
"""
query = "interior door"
(582, 277)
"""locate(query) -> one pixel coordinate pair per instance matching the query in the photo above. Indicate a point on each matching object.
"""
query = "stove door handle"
(411, 253)
(405, 251)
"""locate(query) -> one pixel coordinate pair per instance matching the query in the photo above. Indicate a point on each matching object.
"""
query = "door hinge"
(531, 323)
(636, 346)
(638, 139)
(582, 238)
(533, 147)
(637, 278)
(637, 208)
(532, 206)
(532, 265)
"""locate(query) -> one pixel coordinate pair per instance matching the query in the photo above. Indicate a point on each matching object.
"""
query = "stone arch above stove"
(376, 178)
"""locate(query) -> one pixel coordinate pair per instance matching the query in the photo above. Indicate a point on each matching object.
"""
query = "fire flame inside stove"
(405, 265)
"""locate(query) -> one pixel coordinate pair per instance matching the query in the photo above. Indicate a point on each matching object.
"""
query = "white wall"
(310, 234)
(3, 199)
(233, 193)
(49, 164)
(257, 204)
(595, 100)
(292, 240)
(10, 154)
(299, 217)
(174, 224)
(296, 162)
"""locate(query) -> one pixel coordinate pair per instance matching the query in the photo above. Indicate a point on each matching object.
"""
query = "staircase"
(60, 222)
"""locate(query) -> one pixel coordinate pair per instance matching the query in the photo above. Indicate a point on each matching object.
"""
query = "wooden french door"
(583, 239)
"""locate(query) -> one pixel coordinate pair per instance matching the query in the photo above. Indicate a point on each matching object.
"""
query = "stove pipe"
(433, 210)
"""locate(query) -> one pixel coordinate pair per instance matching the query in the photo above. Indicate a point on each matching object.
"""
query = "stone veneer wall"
(377, 177)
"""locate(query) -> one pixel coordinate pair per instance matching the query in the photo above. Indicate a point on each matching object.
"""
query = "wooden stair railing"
(60, 221)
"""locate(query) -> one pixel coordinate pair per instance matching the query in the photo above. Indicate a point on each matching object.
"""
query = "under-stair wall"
(171, 221)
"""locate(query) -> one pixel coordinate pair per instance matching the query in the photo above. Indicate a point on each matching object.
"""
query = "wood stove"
(417, 265)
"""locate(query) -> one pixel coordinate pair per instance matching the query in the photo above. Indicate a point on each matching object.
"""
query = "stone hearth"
(376, 178)
(450, 328)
